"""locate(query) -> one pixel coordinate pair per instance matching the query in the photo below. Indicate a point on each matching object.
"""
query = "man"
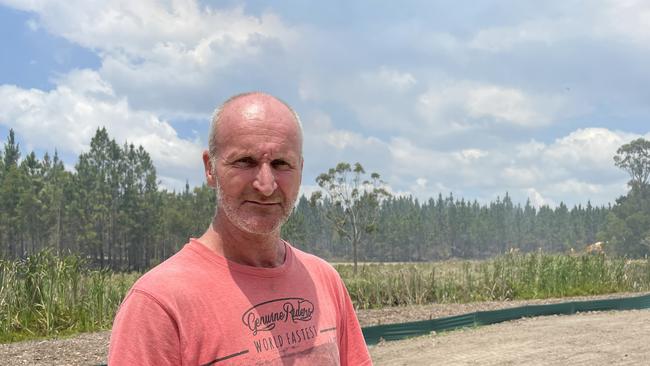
(239, 294)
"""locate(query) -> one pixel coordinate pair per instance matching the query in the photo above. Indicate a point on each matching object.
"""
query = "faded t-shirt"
(198, 308)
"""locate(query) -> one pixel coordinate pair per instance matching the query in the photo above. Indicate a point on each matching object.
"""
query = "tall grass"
(46, 295)
(509, 277)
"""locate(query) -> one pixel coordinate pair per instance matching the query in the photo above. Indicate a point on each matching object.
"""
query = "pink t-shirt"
(198, 308)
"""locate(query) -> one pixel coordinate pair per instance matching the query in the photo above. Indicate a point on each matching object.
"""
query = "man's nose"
(265, 180)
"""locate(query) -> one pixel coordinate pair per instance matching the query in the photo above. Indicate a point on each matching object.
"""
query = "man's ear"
(207, 166)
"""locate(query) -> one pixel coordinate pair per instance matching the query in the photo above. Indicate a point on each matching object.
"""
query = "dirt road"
(594, 339)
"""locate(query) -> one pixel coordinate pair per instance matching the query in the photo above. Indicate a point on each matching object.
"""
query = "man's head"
(218, 114)
(254, 161)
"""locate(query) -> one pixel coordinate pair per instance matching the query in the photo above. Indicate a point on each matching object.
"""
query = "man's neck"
(256, 250)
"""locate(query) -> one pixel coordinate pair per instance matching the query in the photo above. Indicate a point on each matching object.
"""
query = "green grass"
(509, 277)
(45, 295)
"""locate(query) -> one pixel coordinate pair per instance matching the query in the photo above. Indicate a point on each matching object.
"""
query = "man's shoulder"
(315, 263)
(308, 257)
(173, 273)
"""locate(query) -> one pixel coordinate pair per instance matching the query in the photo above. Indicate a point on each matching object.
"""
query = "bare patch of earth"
(594, 339)
(617, 336)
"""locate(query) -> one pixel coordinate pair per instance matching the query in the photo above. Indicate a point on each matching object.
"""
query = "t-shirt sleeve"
(143, 333)
(352, 347)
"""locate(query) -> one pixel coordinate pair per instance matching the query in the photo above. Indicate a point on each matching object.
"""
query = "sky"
(470, 98)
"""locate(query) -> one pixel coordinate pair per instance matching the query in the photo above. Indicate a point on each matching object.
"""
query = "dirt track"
(612, 338)
(594, 339)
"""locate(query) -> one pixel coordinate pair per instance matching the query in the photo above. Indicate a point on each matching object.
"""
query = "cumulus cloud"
(169, 57)
(573, 168)
(67, 117)
(465, 105)
(537, 200)
(452, 110)
(153, 29)
(618, 21)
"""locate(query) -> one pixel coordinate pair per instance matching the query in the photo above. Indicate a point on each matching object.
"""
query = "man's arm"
(143, 333)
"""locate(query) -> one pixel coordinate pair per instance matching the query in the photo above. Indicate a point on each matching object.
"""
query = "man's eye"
(244, 162)
(280, 164)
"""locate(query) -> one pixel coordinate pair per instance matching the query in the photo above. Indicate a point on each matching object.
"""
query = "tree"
(13, 183)
(628, 223)
(634, 158)
(12, 151)
(356, 202)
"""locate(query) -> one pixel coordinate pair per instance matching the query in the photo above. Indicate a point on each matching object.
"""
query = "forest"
(111, 210)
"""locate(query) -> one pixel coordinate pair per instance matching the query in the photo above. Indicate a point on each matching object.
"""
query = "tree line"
(111, 210)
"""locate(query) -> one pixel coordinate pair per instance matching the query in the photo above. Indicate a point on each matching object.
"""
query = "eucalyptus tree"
(356, 202)
(628, 224)
(634, 158)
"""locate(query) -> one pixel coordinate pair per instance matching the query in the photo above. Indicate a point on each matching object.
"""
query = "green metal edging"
(390, 332)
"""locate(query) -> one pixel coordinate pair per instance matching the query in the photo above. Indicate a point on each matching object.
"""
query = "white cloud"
(626, 20)
(613, 20)
(464, 105)
(154, 29)
(529, 150)
(470, 155)
(573, 168)
(590, 149)
(545, 31)
(341, 139)
(537, 200)
(575, 186)
(507, 104)
(319, 130)
(388, 78)
(520, 176)
(438, 112)
(169, 57)
(67, 117)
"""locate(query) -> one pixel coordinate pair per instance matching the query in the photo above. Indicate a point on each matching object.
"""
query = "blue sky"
(471, 98)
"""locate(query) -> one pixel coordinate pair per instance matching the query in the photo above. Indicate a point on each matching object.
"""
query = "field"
(509, 277)
(45, 295)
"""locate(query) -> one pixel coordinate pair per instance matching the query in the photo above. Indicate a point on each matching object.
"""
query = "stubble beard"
(245, 225)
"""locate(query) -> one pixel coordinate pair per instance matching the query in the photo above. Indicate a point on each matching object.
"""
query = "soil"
(592, 339)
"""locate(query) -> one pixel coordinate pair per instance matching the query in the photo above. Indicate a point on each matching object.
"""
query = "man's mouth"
(263, 203)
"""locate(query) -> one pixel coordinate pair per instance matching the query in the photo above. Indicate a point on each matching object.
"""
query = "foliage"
(634, 158)
(512, 276)
(47, 295)
(353, 203)
(111, 211)
(628, 224)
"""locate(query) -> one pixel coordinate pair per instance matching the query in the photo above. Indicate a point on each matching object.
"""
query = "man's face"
(258, 168)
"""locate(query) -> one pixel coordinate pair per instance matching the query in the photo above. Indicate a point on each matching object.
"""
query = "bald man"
(239, 294)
